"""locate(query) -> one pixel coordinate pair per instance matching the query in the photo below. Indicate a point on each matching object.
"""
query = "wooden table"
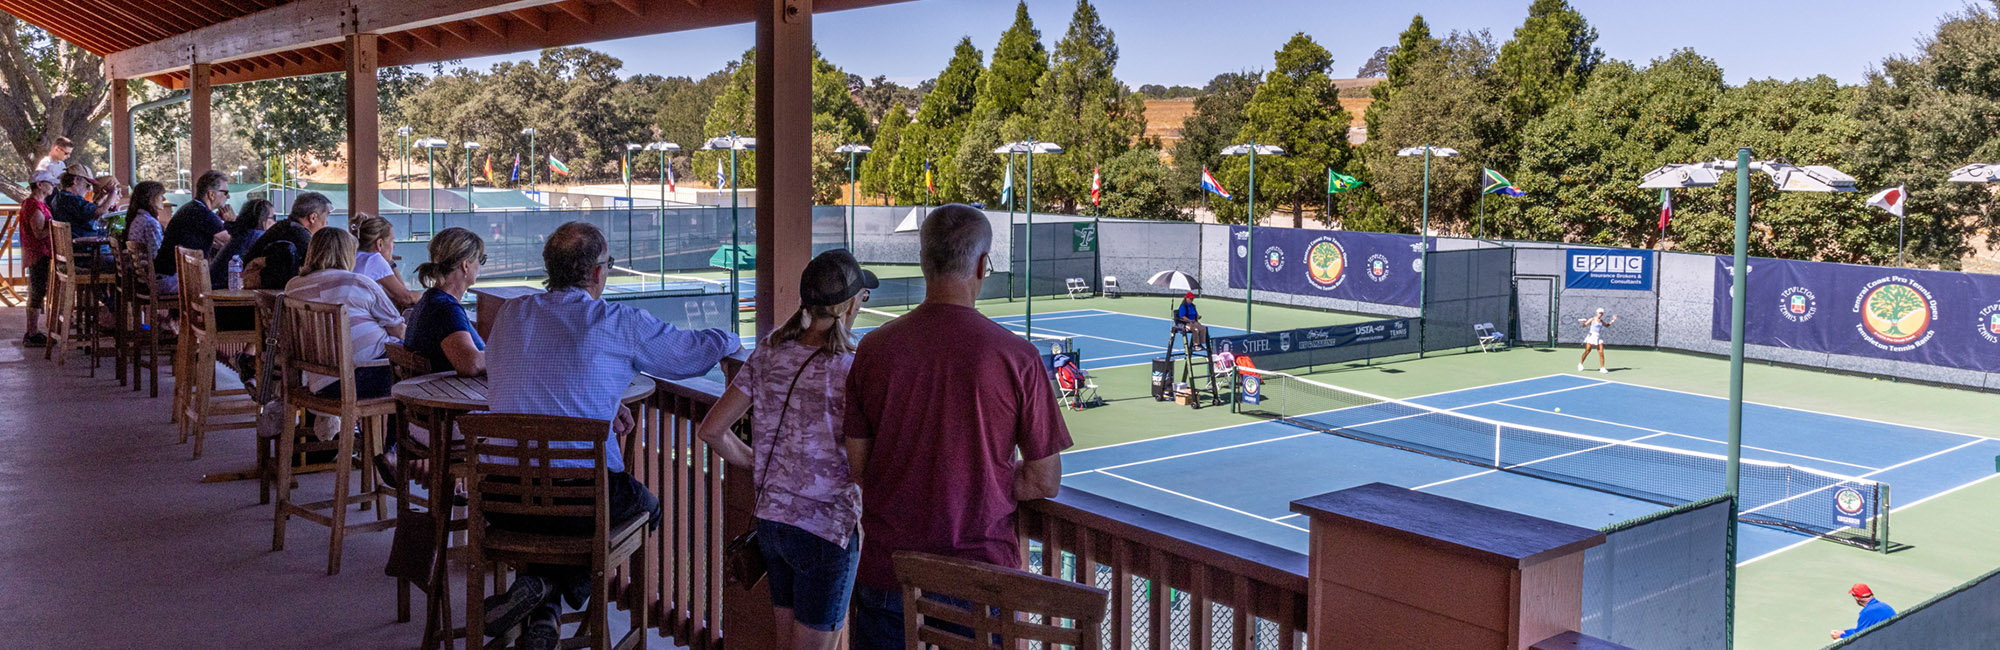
(434, 402)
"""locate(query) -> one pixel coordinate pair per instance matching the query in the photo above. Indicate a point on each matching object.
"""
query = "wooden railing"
(1173, 584)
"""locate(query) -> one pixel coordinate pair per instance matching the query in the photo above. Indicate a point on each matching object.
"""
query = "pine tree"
(1081, 105)
(1006, 90)
(1414, 44)
(1452, 99)
(1548, 62)
(878, 168)
(1297, 108)
(939, 125)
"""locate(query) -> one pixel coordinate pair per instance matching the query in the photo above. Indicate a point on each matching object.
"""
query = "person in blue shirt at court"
(1187, 319)
(1872, 611)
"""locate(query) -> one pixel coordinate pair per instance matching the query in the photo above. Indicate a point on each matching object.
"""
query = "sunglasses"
(482, 259)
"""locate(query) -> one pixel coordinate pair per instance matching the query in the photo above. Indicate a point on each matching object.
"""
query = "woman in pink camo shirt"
(808, 509)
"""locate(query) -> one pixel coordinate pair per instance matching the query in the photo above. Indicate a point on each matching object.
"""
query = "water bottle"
(236, 273)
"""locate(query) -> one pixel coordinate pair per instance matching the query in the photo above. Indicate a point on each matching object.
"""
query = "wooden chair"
(513, 472)
(319, 341)
(146, 312)
(1001, 602)
(61, 303)
(104, 285)
(205, 408)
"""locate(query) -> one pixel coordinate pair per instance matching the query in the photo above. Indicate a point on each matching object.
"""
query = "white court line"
(1040, 331)
(1247, 424)
(1310, 432)
(1892, 509)
(1068, 313)
(1017, 320)
(1290, 516)
(1789, 408)
(1683, 435)
(1573, 453)
(1205, 501)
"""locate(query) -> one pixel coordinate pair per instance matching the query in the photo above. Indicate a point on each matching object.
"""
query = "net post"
(1497, 430)
(1882, 518)
(1729, 576)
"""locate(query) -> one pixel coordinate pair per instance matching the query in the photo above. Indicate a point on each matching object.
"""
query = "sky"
(1187, 42)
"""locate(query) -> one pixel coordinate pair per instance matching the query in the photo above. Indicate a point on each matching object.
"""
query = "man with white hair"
(1595, 337)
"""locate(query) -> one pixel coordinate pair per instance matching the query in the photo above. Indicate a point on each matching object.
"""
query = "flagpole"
(1899, 241)
(1326, 216)
(1010, 225)
(1482, 214)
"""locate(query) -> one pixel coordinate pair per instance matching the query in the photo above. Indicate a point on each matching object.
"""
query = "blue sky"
(1188, 41)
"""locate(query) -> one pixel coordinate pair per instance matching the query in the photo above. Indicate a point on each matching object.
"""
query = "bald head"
(954, 238)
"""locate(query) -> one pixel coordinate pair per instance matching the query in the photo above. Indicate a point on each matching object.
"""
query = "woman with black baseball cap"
(808, 509)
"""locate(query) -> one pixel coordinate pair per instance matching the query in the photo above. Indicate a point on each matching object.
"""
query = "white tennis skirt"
(1592, 339)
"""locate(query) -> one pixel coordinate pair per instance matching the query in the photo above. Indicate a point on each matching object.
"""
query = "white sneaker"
(1579, 367)
(1602, 370)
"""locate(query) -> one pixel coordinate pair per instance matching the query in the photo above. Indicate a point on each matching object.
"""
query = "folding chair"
(695, 319)
(1110, 286)
(1490, 339)
(1077, 286)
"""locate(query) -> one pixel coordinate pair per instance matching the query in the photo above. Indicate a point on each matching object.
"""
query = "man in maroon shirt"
(939, 402)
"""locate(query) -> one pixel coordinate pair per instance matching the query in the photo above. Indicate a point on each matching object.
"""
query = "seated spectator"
(940, 402)
(327, 276)
(195, 226)
(440, 331)
(142, 221)
(257, 217)
(808, 508)
(377, 259)
(274, 259)
(1187, 319)
(568, 352)
(36, 252)
(69, 205)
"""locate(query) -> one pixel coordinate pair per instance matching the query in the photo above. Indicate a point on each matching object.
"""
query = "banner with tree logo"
(1941, 318)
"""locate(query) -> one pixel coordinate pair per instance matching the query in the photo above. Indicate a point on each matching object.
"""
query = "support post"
(124, 160)
(200, 124)
(1250, 246)
(363, 128)
(784, 156)
(1739, 285)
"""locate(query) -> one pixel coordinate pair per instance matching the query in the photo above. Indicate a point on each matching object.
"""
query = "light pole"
(1029, 147)
(663, 147)
(733, 143)
(1973, 173)
(1253, 150)
(851, 150)
(1787, 178)
(1424, 234)
(404, 133)
(631, 235)
(142, 172)
(239, 173)
(430, 147)
(532, 160)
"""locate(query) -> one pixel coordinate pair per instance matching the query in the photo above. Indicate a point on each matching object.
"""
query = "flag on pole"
(1007, 186)
(625, 168)
(516, 178)
(1096, 186)
(929, 187)
(1890, 200)
(1337, 182)
(557, 166)
(670, 176)
(1497, 184)
(1209, 184)
(489, 169)
(1666, 208)
(718, 173)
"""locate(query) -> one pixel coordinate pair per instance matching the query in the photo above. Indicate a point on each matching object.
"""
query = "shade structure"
(1976, 173)
(746, 257)
(912, 222)
(1176, 281)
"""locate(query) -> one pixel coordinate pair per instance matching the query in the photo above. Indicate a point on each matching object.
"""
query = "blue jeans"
(809, 575)
(878, 619)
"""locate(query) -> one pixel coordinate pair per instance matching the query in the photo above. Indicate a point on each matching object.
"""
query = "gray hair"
(310, 203)
(571, 253)
(954, 237)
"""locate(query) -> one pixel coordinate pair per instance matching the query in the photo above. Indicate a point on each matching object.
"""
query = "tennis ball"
(1559, 409)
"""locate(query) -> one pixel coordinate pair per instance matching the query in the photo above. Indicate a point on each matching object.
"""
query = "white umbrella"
(1176, 281)
(911, 222)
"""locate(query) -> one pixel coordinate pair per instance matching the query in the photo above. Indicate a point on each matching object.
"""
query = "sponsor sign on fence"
(1592, 268)
(1941, 318)
(1309, 346)
(1359, 266)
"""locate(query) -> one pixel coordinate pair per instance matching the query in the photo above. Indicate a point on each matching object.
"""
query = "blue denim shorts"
(809, 575)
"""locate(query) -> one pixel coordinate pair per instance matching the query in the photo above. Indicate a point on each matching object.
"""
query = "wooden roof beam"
(493, 24)
(49, 17)
(303, 23)
(125, 23)
(402, 41)
(424, 35)
(532, 18)
(457, 30)
(631, 7)
(576, 9)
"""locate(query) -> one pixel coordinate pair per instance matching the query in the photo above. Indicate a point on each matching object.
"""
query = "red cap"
(1860, 590)
(1190, 295)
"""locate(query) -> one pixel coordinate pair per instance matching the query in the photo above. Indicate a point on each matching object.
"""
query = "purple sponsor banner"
(1359, 266)
(1940, 318)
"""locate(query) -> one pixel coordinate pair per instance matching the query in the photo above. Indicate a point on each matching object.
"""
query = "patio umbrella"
(1176, 281)
(746, 259)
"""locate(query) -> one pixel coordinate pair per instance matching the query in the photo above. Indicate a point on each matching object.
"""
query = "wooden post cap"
(1487, 534)
(1575, 641)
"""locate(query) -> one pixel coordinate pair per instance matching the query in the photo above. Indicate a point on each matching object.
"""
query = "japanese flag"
(1096, 186)
(1890, 200)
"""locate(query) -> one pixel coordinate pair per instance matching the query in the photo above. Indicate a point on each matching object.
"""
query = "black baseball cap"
(832, 278)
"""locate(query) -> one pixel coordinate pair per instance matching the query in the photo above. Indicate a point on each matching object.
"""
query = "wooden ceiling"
(250, 40)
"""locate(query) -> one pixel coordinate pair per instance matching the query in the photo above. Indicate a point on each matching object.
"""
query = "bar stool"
(205, 408)
(319, 341)
(62, 292)
(145, 314)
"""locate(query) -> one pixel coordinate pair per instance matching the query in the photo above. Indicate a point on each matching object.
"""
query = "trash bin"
(1163, 379)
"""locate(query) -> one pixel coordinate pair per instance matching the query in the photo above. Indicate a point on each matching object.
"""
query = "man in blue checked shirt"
(568, 352)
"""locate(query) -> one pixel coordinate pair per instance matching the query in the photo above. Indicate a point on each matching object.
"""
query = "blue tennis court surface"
(1242, 479)
(1107, 339)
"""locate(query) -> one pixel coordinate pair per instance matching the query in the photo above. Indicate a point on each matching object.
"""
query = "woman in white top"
(1595, 338)
(373, 321)
(375, 259)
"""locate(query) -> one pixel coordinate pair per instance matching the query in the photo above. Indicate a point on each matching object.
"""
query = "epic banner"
(1360, 266)
(1941, 318)
(1590, 268)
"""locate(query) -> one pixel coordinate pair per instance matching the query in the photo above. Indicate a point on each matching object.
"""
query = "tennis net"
(868, 319)
(637, 280)
(1841, 508)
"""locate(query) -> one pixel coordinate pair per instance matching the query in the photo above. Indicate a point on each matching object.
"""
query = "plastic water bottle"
(236, 273)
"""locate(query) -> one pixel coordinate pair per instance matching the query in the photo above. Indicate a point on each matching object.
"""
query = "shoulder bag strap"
(782, 412)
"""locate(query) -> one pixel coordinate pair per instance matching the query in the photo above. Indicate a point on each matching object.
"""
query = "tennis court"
(1242, 478)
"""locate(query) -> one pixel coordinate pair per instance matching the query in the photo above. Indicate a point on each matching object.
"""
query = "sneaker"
(1602, 370)
(37, 340)
(504, 611)
(544, 629)
(1579, 367)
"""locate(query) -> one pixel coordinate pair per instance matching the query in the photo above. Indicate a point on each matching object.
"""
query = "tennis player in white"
(1595, 338)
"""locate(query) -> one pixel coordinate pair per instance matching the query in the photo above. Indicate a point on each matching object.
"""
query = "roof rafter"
(302, 23)
(630, 7)
(532, 18)
(456, 29)
(576, 9)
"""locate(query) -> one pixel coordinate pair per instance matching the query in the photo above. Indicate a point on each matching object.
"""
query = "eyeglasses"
(608, 261)
(864, 295)
(224, 191)
(482, 259)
